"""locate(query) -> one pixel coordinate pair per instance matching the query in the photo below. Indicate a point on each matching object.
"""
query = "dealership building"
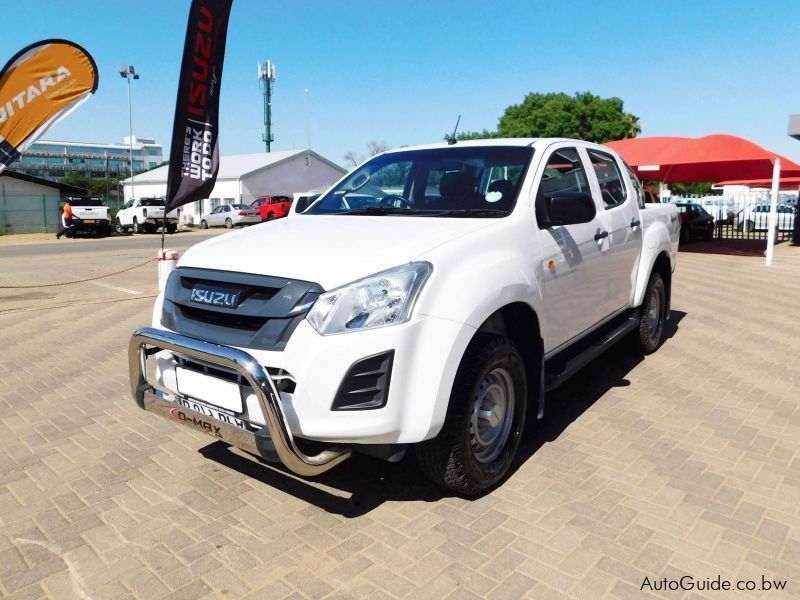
(54, 160)
(244, 177)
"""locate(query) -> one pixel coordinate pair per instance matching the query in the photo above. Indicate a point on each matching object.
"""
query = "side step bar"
(558, 369)
(148, 341)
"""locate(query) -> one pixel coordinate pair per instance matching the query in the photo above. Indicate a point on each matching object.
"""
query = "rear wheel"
(485, 417)
(172, 227)
(137, 228)
(652, 315)
(228, 223)
(203, 224)
(271, 217)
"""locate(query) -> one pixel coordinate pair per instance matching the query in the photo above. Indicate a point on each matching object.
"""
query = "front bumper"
(276, 434)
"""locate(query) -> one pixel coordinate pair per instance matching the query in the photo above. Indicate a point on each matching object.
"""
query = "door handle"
(635, 223)
(601, 235)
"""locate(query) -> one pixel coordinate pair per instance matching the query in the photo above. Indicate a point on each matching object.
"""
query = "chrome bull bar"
(147, 341)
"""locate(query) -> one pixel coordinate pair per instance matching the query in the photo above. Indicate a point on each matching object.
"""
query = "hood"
(328, 250)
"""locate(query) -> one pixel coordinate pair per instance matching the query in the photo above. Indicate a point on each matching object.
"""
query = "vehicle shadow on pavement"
(361, 484)
(727, 247)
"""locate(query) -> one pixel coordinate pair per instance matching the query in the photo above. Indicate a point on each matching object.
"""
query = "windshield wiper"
(381, 210)
(472, 212)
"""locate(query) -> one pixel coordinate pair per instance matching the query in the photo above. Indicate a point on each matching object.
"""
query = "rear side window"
(612, 186)
(637, 187)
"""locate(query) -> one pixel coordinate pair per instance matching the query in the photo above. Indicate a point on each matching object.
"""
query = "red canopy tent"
(711, 158)
(786, 183)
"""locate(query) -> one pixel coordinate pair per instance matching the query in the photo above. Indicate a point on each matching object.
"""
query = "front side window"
(612, 187)
(563, 174)
(470, 181)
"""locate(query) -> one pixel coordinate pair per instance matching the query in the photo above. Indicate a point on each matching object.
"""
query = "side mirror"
(568, 208)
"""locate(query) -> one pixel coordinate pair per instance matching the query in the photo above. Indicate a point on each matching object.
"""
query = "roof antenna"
(451, 139)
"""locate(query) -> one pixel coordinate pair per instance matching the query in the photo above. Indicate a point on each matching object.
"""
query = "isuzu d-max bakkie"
(428, 300)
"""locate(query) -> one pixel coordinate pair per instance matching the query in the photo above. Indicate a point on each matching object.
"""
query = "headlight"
(379, 300)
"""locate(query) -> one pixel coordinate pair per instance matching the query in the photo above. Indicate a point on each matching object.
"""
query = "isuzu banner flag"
(39, 86)
(194, 155)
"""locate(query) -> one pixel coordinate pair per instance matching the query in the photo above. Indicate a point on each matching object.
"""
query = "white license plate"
(212, 411)
(217, 392)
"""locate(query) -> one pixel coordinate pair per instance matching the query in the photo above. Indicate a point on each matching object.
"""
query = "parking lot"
(682, 463)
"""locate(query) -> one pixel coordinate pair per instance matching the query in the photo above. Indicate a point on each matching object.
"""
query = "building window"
(214, 203)
(230, 200)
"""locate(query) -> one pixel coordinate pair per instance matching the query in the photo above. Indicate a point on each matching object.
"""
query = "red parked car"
(272, 207)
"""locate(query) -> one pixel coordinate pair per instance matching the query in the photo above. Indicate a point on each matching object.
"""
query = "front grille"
(269, 308)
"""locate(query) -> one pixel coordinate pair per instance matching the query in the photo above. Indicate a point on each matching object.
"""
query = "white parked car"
(436, 316)
(228, 215)
(757, 217)
(145, 215)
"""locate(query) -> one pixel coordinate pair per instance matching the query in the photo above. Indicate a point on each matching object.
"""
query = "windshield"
(473, 181)
(85, 202)
(151, 202)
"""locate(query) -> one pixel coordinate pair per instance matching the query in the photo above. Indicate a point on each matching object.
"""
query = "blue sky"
(401, 72)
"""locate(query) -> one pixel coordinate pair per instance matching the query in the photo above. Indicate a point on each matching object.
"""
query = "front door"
(573, 272)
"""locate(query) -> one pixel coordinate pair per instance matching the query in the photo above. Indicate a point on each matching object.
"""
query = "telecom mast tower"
(266, 79)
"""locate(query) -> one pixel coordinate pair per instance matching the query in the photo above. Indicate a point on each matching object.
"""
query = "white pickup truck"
(90, 214)
(145, 215)
(429, 299)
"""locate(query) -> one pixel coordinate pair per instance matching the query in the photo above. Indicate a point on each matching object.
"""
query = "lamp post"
(129, 72)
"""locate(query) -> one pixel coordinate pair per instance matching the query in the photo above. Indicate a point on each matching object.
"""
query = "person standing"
(66, 221)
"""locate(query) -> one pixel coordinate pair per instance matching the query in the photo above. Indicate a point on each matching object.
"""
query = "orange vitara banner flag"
(39, 86)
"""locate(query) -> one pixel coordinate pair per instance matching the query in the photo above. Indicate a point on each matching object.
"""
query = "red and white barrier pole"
(166, 263)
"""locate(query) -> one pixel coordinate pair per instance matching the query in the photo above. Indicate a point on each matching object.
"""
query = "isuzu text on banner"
(39, 86)
(194, 154)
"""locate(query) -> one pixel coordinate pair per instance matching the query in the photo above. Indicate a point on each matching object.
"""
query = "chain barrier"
(44, 285)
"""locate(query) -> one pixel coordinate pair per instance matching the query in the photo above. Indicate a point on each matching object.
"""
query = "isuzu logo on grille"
(215, 297)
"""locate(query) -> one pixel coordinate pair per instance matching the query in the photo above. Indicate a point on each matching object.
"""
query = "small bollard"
(166, 263)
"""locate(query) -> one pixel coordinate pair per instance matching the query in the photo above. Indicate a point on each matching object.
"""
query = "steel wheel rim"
(654, 313)
(492, 415)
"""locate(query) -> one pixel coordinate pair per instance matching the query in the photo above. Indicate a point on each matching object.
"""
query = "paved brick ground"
(686, 462)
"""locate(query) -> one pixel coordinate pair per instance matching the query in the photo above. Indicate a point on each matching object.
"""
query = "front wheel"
(203, 224)
(485, 416)
(652, 315)
(228, 223)
(119, 228)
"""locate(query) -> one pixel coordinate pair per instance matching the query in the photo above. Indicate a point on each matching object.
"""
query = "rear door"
(573, 281)
(620, 206)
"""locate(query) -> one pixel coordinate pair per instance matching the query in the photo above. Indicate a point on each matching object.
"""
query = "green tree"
(476, 135)
(582, 116)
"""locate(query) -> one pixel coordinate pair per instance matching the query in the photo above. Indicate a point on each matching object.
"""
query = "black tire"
(652, 315)
(119, 228)
(455, 459)
(203, 224)
(150, 228)
(684, 238)
(271, 217)
(228, 223)
(709, 234)
(137, 228)
(172, 228)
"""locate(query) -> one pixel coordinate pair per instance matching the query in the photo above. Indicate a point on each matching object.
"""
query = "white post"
(130, 131)
(166, 263)
(661, 187)
(773, 210)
